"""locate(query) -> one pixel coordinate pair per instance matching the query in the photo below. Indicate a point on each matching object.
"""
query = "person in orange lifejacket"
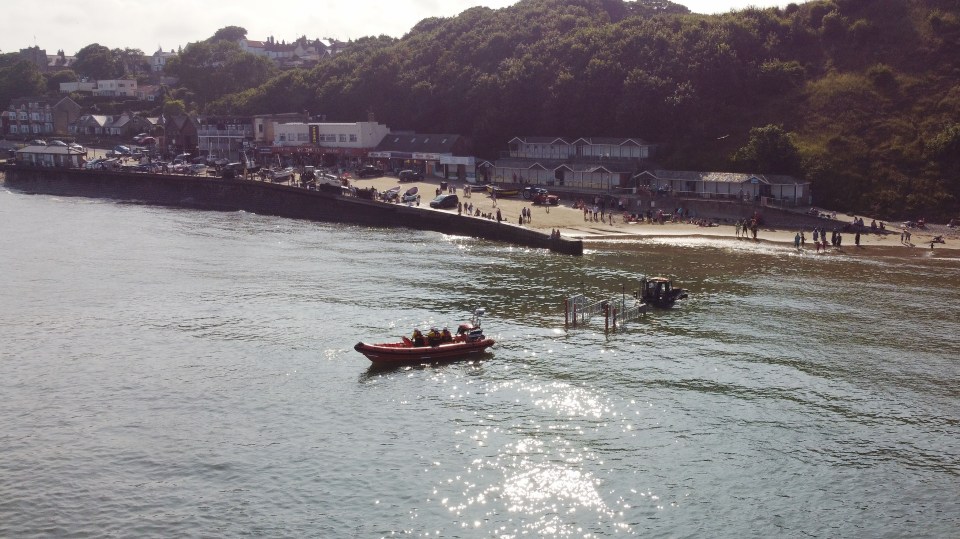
(445, 336)
(433, 337)
(418, 338)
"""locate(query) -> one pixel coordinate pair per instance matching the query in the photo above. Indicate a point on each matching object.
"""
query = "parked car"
(122, 150)
(410, 175)
(147, 141)
(198, 168)
(139, 138)
(56, 143)
(76, 147)
(38, 142)
(444, 202)
(369, 171)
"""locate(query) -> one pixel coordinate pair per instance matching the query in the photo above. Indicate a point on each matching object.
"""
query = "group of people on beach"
(743, 227)
(836, 239)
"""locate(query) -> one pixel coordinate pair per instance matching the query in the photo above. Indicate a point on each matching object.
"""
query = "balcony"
(209, 132)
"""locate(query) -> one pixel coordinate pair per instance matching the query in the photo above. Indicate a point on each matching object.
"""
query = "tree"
(54, 79)
(771, 150)
(96, 62)
(174, 107)
(212, 70)
(18, 78)
(229, 33)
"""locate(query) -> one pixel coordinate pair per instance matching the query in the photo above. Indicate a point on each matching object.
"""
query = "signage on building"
(455, 160)
(314, 134)
(427, 156)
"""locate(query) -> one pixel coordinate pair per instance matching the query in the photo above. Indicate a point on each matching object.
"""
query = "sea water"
(168, 372)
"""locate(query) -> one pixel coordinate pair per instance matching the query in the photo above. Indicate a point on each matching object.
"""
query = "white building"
(116, 88)
(159, 60)
(357, 135)
(71, 87)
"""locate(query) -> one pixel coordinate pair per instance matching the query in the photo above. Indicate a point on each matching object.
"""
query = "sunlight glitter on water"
(548, 498)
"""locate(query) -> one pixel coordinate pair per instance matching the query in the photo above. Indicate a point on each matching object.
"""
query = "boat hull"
(401, 353)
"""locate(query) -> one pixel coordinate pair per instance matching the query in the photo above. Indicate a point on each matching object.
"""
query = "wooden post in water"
(606, 317)
(566, 313)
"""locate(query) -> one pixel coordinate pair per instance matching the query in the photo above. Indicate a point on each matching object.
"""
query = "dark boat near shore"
(468, 341)
(660, 292)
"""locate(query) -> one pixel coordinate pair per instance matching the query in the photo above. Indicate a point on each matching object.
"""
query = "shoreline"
(572, 225)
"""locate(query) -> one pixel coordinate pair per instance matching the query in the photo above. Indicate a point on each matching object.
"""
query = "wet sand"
(571, 224)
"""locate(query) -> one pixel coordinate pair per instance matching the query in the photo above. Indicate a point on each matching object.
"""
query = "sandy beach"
(571, 224)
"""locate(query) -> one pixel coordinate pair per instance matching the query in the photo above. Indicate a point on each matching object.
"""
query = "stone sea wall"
(270, 199)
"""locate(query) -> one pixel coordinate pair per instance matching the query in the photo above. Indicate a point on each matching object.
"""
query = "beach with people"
(571, 222)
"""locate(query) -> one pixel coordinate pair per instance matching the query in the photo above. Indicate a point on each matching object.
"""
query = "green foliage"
(54, 79)
(174, 107)
(97, 62)
(229, 33)
(18, 78)
(770, 150)
(212, 70)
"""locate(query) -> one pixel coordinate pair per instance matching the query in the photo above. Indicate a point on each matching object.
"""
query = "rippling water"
(169, 373)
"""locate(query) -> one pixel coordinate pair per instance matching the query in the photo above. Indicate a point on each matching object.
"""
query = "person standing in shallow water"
(856, 239)
(796, 241)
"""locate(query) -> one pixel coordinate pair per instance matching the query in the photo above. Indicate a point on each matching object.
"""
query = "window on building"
(353, 138)
(14, 130)
(343, 138)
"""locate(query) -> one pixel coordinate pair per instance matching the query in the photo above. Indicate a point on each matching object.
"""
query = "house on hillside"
(116, 88)
(39, 116)
(79, 87)
(158, 60)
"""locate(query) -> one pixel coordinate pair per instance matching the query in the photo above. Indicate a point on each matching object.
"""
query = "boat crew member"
(433, 337)
(445, 335)
(418, 338)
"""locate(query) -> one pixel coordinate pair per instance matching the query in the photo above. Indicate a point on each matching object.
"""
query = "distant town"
(115, 112)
